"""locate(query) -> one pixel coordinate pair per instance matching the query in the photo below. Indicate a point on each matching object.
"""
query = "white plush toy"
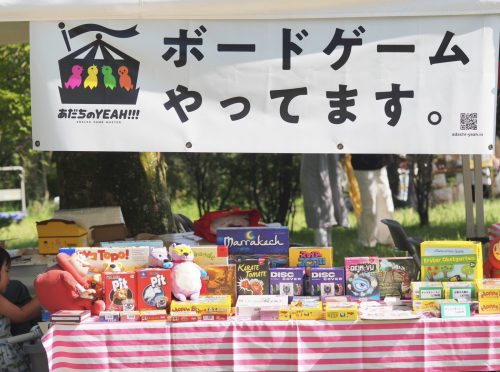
(186, 275)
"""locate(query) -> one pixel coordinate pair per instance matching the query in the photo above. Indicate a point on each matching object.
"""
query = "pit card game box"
(153, 289)
(327, 281)
(252, 276)
(254, 240)
(120, 291)
(221, 280)
(447, 261)
(361, 278)
(287, 281)
(395, 276)
(310, 257)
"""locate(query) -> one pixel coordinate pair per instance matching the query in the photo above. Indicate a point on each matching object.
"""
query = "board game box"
(252, 277)
(327, 281)
(221, 280)
(446, 261)
(254, 240)
(361, 277)
(308, 257)
(153, 289)
(288, 281)
(120, 291)
(395, 276)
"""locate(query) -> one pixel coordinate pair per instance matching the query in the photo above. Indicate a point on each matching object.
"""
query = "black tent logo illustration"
(98, 73)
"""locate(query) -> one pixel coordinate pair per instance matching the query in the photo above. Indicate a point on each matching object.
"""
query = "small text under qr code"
(468, 121)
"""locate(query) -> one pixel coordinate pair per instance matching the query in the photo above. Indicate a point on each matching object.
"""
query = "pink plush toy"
(65, 286)
(158, 257)
(186, 275)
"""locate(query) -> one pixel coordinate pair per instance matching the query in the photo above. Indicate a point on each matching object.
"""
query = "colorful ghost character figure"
(75, 80)
(125, 79)
(109, 79)
(91, 80)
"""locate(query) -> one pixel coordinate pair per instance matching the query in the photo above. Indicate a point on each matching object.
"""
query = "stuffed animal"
(65, 286)
(492, 265)
(186, 275)
(158, 257)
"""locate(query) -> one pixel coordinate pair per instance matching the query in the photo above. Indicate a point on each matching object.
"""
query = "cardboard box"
(306, 308)
(205, 305)
(221, 280)
(427, 290)
(120, 292)
(109, 232)
(447, 261)
(489, 307)
(488, 290)
(205, 255)
(249, 307)
(288, 281)
(252, 277)
(99, 258)
(254, 240)
(460, 291)
(154, 315)
(361, 277)
(341, 311)
(56, 233)
(153, 289)
(327, 281)
(308, 257)
(395, 276)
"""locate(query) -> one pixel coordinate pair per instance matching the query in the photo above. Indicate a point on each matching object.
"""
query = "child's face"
(4, 278)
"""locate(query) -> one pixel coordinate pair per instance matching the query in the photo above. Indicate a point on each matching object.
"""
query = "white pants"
(376, 204)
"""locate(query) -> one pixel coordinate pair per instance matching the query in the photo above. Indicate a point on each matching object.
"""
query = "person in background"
(324, 205)
(12, 358)
(376, 198)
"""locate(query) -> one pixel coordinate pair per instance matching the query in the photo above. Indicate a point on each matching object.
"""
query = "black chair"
(402, 241)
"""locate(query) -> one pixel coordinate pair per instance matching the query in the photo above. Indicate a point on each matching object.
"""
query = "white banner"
(368, 85)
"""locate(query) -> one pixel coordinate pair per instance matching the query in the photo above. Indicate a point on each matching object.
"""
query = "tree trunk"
(134, 181)
(423, 182)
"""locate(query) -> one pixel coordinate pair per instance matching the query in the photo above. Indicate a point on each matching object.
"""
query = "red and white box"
(120, 291)
(154, 291)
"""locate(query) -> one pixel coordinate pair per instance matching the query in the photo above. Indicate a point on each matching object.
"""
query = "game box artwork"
(120, 291)
(446, 261)
(221, 280)
(153, 289)
(311, 257)
(327, 281)
(252, 277)
(361, 277)
(254, 240)
(395, 276)
(288, 281)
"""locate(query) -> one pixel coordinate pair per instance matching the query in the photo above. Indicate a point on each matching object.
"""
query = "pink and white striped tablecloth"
(469, 344)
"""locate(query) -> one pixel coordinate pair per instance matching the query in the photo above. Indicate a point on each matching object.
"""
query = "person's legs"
(384, 207)
(367, 221)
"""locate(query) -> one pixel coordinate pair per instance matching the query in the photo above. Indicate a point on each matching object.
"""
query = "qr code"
(468, 121)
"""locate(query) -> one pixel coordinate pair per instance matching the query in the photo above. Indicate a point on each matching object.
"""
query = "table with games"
(426, 344)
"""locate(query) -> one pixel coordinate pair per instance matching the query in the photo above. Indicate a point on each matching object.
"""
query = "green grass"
(23, 234)
(447, 222)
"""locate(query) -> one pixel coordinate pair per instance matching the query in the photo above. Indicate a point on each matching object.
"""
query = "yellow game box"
(427, 290)
(489, 307)
(204, 305)
(310, 257)
(488, 290)
(341, 311)
(460, 291)
(306, 309)
(450, 261)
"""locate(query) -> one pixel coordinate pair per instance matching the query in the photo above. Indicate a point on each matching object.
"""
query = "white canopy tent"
(15, 16)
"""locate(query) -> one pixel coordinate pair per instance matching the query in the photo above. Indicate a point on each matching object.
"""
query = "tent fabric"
(45, 10)
(15, 14)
